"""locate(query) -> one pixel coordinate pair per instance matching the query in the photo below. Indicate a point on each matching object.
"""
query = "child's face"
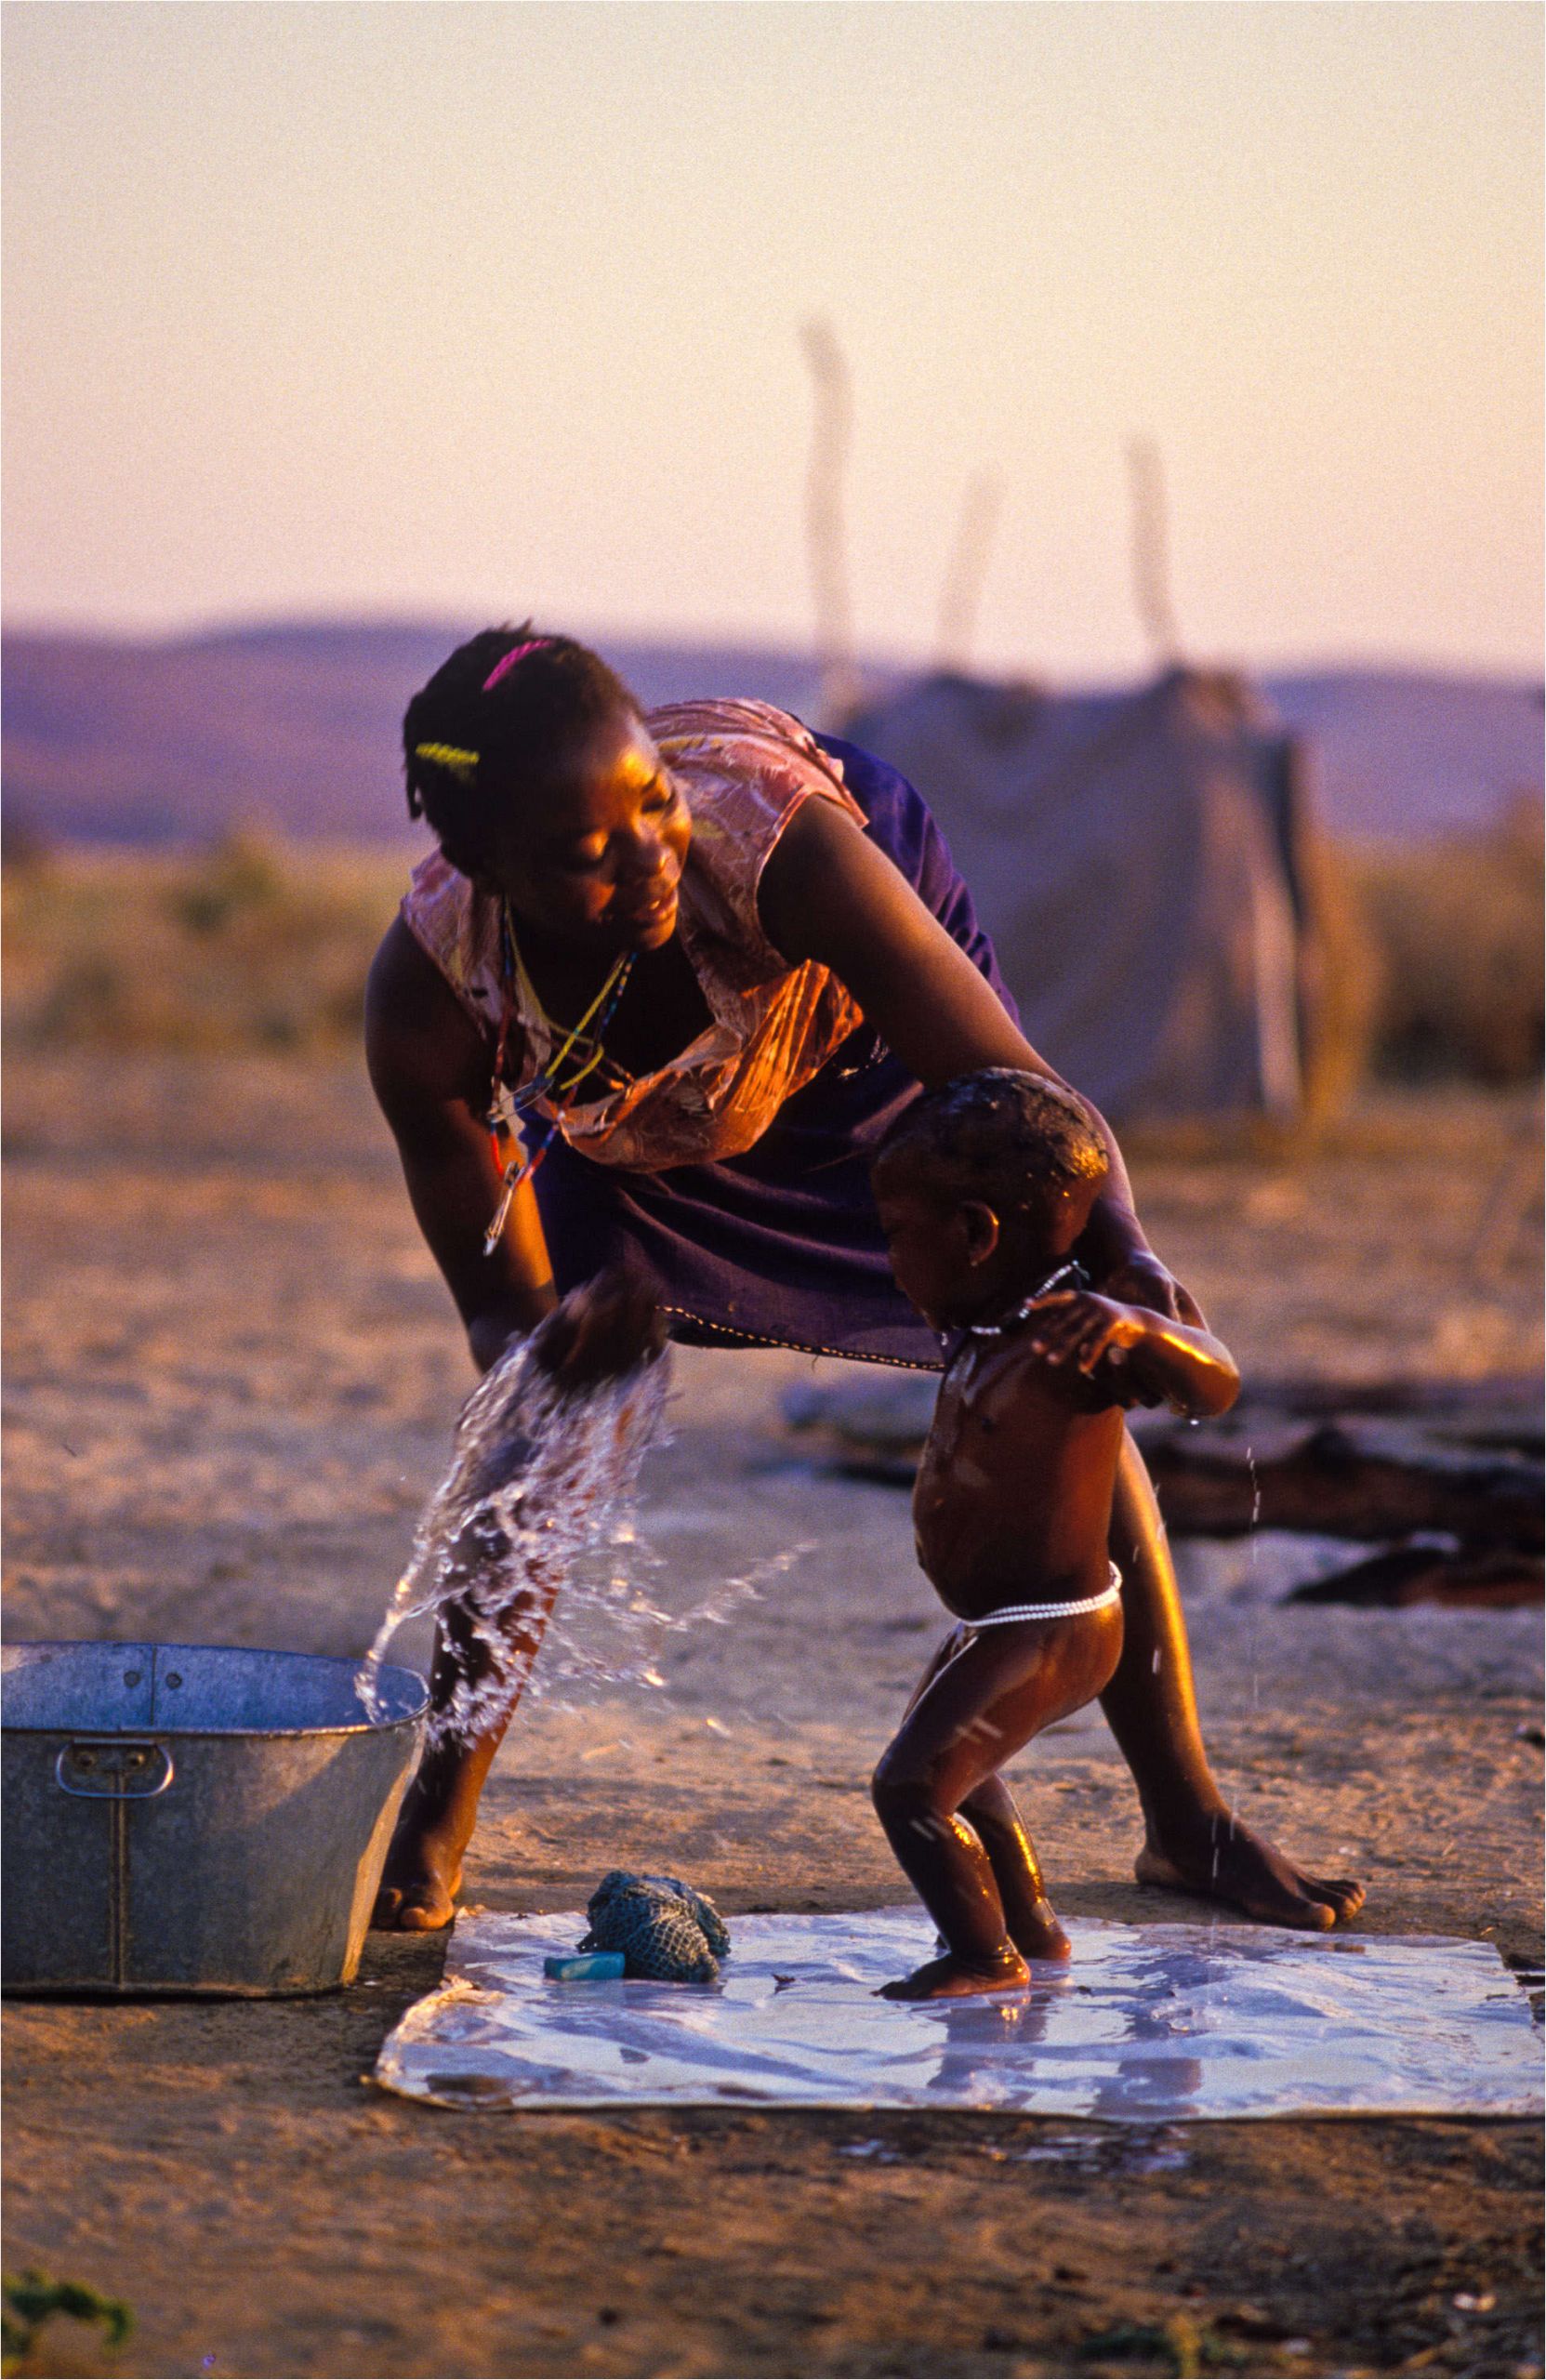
(940, 1255)
(955, 1260)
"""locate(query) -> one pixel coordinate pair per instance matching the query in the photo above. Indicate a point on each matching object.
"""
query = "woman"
(706, 958)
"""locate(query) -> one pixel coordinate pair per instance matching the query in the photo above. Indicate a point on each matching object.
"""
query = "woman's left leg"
(1193, 1841)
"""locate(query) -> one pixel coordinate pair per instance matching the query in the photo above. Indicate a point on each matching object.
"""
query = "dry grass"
(256, 944)
(1456, 929)
(251, 945)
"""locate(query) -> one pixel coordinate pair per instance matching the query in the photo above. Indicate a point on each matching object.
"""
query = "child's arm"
(1167, 1362)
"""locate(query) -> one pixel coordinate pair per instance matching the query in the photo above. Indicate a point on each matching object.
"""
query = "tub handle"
(115, 1770)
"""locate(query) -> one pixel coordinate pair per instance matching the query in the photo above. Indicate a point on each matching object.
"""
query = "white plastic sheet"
(1147, 2023)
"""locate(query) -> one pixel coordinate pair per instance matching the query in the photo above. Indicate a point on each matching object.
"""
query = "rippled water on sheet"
(1148, 2024)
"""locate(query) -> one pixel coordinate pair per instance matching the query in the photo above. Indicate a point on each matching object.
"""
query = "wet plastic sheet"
(1148, 2024)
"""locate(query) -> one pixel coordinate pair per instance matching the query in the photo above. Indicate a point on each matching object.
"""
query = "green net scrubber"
(666, 1931)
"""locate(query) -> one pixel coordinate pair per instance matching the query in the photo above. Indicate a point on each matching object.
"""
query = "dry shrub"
(1338, 981)
(259, 944)
(252, 944)
(1457, 927)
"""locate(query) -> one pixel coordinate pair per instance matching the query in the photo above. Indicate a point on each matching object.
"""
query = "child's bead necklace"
(1072, 1272)
(1022, 1312)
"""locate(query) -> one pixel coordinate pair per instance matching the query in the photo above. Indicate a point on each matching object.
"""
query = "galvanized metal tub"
(194, 1817)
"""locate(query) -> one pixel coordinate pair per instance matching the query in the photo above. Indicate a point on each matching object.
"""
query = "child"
(984, 1189)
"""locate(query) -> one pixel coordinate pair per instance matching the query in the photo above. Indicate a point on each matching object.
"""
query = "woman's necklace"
(581, 1051)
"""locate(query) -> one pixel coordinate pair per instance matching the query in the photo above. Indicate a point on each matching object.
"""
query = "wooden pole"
(1151, 550)
(967, 570)
(826, 534)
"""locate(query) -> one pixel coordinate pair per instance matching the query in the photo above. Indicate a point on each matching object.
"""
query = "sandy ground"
(231, 1373)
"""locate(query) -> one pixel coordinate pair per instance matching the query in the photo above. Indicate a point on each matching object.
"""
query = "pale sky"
(433, 307)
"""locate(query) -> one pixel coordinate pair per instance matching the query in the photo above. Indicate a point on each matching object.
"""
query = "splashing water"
(537, 1509)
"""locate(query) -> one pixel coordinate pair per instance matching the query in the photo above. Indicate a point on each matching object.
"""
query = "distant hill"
(1406, 754)
(294, 725)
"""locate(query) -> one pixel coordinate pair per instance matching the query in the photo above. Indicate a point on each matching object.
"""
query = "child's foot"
(1227, 1862)
(951, 1979)
(421, 1879)
(1037, 1934)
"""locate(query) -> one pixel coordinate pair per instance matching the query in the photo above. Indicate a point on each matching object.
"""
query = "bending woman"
(705, 958)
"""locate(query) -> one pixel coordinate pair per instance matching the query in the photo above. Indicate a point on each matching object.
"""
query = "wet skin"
(591, 865)
(1011, 1505)
(947, 1813)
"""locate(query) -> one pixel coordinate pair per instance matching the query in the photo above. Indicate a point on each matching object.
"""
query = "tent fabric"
(1131, 856)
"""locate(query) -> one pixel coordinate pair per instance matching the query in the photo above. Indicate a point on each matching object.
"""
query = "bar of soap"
(584, 1966)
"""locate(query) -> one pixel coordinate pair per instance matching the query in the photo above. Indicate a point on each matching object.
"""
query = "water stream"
(531, 1544)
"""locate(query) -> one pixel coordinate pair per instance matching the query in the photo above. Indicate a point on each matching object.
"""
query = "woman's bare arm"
(828, 893)
(430, 1068)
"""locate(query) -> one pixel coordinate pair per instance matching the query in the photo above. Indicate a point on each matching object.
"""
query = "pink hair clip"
(508, 661)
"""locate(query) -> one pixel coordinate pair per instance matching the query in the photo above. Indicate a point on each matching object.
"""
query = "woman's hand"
(605, 1327)
(1142, 1279)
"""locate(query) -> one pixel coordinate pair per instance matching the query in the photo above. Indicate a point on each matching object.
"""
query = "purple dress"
(781, 1246)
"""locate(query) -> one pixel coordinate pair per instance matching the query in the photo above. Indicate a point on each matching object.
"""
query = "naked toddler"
(984, 1189)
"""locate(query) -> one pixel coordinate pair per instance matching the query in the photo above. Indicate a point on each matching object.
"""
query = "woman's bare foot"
(950, 1978)
(423, 1871)
(422, 1876)
(1227, 1862)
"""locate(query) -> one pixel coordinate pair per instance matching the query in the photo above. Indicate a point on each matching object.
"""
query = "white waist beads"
(1108, 1595)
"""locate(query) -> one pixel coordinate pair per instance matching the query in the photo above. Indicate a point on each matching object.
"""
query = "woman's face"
(595, 862)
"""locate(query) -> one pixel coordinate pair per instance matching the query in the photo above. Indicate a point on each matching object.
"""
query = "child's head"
(982, 1185)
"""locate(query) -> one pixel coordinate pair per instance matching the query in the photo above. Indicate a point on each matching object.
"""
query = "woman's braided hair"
(499, 717)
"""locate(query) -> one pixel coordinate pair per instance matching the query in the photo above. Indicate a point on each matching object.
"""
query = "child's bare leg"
(984, 1810)
(1193, 1841)
(995, 1822)
(949, 1871)
(980, 1706)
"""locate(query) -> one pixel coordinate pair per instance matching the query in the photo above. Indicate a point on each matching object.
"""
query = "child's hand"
(1079, 1327)
(608, 1326)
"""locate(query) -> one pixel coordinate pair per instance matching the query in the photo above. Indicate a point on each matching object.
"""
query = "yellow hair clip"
(448, 756)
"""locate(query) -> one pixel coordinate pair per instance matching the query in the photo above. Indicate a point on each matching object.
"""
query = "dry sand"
(230, 1375)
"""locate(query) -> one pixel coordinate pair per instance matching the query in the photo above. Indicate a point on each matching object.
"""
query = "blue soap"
(584, 1966)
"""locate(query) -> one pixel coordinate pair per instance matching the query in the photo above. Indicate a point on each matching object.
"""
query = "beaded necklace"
(1073, 1272)
(582, 1044)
